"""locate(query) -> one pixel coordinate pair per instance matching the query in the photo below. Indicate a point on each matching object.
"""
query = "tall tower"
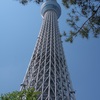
(47, 71)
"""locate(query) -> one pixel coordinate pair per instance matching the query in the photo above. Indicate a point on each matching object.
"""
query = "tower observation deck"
(47, 71)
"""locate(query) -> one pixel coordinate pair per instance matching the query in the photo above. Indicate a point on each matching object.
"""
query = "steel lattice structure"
(47, 71)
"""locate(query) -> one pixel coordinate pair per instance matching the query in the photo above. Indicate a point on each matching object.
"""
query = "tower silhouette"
(47, 71)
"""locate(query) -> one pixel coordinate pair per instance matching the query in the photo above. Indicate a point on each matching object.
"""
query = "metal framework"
(47, 71)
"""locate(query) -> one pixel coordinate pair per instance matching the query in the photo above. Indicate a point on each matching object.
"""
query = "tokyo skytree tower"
(47, 71)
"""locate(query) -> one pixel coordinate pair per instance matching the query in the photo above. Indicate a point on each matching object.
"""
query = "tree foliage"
(84, 18)
(24, 2)
(29, 94)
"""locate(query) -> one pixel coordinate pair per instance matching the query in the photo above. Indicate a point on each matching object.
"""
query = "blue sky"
(19, 28)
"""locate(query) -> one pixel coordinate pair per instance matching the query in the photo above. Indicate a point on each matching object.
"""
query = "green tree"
(29, 94)
(89, 10)
(83, 9)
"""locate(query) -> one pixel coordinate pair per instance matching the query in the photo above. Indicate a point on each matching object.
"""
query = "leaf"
(60, 35)
(84, 33)
(69, 39)
(64, 34)
(72, 33)
(68, 20)
(73, 1)
(73, 11)
(76, 18)
(29, 94)
(24, 2)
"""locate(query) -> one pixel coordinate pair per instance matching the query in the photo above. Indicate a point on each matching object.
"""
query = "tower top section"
(50, 5)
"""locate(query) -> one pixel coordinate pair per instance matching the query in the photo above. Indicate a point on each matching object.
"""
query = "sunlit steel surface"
(47, 71)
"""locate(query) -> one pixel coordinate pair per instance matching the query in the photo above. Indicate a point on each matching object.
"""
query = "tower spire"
(47, 71)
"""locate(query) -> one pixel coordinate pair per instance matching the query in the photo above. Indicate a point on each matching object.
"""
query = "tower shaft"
(47, 71)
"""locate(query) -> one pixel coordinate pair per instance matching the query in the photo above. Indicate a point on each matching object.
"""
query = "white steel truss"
(47, 71)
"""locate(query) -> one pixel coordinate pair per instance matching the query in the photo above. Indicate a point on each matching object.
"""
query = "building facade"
(47, 71)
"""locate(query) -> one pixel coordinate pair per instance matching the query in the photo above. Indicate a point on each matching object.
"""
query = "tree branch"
(88, 20)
